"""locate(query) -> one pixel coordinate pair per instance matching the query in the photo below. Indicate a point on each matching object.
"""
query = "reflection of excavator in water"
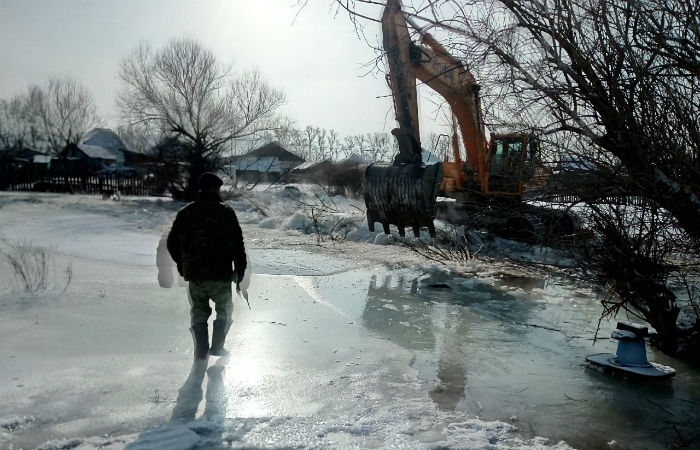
(405, 192)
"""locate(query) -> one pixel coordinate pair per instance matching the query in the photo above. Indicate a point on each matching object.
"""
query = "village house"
(267, 163)
(18, 164)
(311, 172)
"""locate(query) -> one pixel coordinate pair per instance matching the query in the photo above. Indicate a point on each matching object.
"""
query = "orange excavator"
(404, 193)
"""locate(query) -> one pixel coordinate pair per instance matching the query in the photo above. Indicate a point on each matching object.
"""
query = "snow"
(352, 341)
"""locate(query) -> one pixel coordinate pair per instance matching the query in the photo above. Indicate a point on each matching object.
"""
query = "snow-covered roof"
(106, 139)
(311, 164)
(355, 159)
(262, 164)
(97, 152)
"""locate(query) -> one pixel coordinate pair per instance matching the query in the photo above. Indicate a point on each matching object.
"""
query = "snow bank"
(94, 443)
(312, 211)
(390, 430)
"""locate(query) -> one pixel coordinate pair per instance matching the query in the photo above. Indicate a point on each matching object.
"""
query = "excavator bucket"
(403, 195)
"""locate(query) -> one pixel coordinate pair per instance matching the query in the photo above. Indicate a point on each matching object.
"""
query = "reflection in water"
(190, 394)
(403, 315)
(176, 433)
(217, 398)
(513, 349)
(399, 317)
(451, 367)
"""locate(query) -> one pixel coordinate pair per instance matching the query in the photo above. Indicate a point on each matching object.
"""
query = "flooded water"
(514, 349)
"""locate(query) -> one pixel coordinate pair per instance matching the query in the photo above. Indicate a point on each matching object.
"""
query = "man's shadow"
(190, 394)
(178, 430)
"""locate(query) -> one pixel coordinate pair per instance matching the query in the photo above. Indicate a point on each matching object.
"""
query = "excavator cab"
(511, 163)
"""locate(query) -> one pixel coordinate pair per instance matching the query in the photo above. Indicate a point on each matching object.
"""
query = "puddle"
(513, 349)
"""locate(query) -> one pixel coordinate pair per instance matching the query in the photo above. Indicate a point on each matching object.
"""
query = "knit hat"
(209, 182)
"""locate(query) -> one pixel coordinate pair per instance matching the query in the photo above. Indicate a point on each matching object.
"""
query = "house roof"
(310, 165)
(258, 164)
(274, 149)
(22, 153)
(106, 139)
(576, 163)
(354, 159)
(93, 151)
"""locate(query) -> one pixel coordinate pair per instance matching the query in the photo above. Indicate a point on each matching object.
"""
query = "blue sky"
(316, 58)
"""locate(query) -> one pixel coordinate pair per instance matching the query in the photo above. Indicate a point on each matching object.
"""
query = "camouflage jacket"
(205, 239)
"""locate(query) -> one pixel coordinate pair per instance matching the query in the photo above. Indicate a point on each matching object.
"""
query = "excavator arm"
(402, 81)
(448, 77)
(496, 167)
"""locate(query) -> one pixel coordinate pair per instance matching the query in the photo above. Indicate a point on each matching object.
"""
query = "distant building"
(103, 151)
(267, 163)
(311, 172)
(354, 160)
(91, 158)
(107, 140)
(18, 164)
(20, 156)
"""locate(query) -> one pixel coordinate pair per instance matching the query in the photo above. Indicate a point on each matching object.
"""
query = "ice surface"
(338, 351)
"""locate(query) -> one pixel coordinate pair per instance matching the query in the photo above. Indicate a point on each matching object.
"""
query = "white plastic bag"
(167, 269)
(242, 287)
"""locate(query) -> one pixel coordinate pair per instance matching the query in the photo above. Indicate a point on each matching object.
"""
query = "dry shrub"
(31, 265)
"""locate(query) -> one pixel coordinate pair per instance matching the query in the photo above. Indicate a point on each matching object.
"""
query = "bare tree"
(356, 144)
(440, 145)
(63, 111)
(59, 113)
(183, 91)
(322, 143)
(333, 145)
(139, 139)
(380, 147)
(18, 127)
(310, 149)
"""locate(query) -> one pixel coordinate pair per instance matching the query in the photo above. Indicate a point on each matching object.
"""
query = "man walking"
(204, 241)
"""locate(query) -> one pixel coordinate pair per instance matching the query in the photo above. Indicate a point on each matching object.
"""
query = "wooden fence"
(92, 184)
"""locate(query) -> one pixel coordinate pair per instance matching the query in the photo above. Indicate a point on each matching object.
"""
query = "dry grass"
(31, 266)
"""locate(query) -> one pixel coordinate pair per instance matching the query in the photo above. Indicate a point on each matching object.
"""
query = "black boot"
(200, 334)
(218, 337)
